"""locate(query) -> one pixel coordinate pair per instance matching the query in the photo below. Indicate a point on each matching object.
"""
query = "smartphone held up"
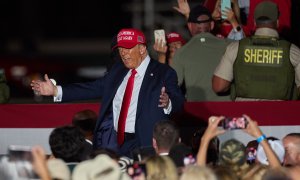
(231, 123)
(137, 170)
(225, 4)
(20, 157)
(160, 36)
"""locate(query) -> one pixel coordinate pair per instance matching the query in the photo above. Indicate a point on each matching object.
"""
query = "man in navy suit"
(155, 95)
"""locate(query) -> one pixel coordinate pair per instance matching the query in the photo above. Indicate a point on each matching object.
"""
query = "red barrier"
(52, 115)
(266, 113)
(40, 115)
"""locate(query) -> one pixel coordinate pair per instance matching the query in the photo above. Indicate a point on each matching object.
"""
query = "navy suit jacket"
(148, 113)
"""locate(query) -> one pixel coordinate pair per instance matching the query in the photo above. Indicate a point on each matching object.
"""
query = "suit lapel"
(117, 79)
(147, 81)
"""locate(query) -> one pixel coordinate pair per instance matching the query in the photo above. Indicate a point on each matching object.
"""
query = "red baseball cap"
(128, 38)
(174, 37)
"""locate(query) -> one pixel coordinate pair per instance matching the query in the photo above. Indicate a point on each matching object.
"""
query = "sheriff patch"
(266, 56)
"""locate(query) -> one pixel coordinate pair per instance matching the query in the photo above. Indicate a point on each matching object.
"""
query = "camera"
(232, 123)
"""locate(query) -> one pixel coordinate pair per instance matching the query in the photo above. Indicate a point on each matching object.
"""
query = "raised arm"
(253, 130)
(40, 163)
(183, 8)
(211, 132)
(161, 50)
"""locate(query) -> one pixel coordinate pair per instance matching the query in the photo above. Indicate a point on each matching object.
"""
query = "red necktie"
(125, 107)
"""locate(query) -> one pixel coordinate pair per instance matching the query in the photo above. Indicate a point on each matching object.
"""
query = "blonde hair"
(225, 173)
(193, 172)
(255, 172)
(161, 168)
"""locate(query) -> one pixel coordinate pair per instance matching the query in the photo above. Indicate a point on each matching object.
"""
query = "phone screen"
(19, 153)
(234, 123)
(251, 155)
(160, 35)
(224, 5)
(21, 156)
(189, 159)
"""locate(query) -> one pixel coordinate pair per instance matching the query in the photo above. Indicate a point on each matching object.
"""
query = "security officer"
(4, 89)
(262, 67)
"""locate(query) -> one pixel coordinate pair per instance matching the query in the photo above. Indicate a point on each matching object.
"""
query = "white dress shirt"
(118, 99)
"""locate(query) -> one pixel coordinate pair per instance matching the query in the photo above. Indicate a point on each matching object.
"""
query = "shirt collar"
(164, 154)
(266, 32)
(143, 66)
(90, 142)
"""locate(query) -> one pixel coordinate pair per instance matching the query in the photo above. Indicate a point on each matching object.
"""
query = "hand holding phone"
(189, 160)
(21, 156)
(137, 170)
(234, 123)
(225, 4)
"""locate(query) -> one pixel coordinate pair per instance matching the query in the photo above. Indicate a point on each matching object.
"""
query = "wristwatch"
(238, 29)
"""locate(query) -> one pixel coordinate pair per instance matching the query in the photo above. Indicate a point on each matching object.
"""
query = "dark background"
(31, 29)
(62, 18)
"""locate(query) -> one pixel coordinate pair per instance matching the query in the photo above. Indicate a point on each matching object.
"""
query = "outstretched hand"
(164, 99)
(45, 88)
(183, 8)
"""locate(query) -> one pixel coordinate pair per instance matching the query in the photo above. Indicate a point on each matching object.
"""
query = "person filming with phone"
(249, 126)
(226, 15)
(136, 93)
(166, 51)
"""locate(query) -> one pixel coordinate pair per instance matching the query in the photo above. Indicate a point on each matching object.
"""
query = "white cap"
(277, 147)
(101, 167)
(58, 169)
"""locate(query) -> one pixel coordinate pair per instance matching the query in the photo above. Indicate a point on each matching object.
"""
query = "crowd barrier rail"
(31, 124)
(267, 113)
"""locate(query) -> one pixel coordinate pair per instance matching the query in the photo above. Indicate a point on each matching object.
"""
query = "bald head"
(291, 143)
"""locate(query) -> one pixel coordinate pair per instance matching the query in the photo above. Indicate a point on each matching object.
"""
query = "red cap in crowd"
(174, 37)
(128, 38)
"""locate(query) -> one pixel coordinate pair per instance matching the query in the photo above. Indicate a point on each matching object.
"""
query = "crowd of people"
(72, 155)
(133, 138)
